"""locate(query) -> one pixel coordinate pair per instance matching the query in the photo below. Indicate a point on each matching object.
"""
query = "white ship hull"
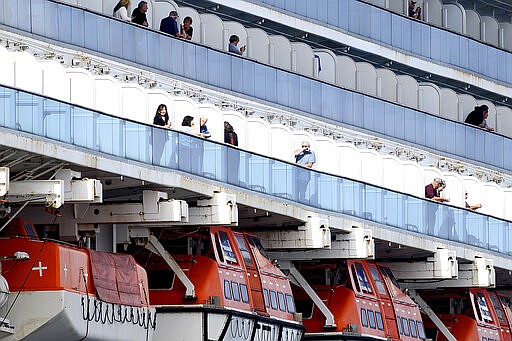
(197, 323)
(64, 315)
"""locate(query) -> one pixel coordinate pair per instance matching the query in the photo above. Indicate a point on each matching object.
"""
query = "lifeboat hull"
(65, 315)
(199, 322)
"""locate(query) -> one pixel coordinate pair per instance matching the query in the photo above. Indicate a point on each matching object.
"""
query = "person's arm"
(473, 207)
(440, 199)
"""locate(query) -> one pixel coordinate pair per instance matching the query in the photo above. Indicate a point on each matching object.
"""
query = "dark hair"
(228, 128)
(166, 116)
(187, 121)
(142, 3)
(187, 18)
(484, 108)
(233, 38)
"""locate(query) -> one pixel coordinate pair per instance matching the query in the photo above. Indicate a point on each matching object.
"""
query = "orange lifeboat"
(364, 298)
(63, 292)
(469, 314)
(240, 293)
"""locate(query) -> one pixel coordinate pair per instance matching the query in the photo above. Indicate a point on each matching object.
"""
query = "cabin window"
(412, 325)
(399, 323)
(282, 303)
(236, 291)
(497, 307)
(226, 247)
(244, 292)
(364, 318)
(484, 308)
(290, 304)
(484, 339)
(246, 255)
(227, 289)
(219, 249)
(378, 281)
(265, 297)
(161, 279)
(273, 299)
(421, 330)
(371, 319)
(380, 322)
(364, 283)
(405, 324)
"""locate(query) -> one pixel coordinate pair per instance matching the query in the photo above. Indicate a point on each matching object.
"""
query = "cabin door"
(252, 274)
(386, 305)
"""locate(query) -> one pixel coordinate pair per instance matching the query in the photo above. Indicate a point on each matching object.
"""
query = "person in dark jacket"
(169, 25)
(139, 14)
(478, 117)
(230, 136)
(162, 117)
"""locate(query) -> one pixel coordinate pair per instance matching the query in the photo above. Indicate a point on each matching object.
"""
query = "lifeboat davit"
(365, 300)
(471, 314)
(239, 293)
(62, 292)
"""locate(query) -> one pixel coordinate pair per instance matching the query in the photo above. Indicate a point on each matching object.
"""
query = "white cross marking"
(65, 270)
(40, 268)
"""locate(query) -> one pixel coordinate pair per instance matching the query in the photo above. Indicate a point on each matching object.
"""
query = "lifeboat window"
(244, 292)
(497, 307)
(227, 289)
(246, 255)
(412, 325)
(160, 279)
(265, 297)
(254, 241)
(273, 299)
(364, 318)
(219, 249)
(371, 319)
(399, 323)
(405, 324)
(380, 322)
(229, 255)
(236, 291)
(421, 330)
(378, 281)
(290, 304)
(282, 303)
(363, 280)
(484, 308)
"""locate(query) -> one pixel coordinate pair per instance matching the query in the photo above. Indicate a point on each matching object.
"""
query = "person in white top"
(121, 10)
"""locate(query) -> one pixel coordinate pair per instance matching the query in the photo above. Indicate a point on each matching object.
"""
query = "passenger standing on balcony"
(203, 129)
(121, 10)
(159, 137)
(304, 157)
(478, 117)
(139, 14)
(233, 155)
(432, 191)
(186, 30)
(233, 45)
(414, 13)
(169, 25)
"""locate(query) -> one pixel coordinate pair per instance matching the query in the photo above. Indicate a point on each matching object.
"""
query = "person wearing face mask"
(304, 157)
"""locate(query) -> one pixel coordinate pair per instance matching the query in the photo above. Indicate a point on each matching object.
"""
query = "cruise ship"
(286, 170)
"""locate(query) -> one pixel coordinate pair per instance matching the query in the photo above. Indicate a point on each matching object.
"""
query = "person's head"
(203, 120)
(161, 110)
(438, 182)
(143, 6)
(187, 21)
(485, 110)
(173, 14)
(228, 128)
(234, 39)
(411, 4)
(305, 145)
(125, 3)
(188, 121)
